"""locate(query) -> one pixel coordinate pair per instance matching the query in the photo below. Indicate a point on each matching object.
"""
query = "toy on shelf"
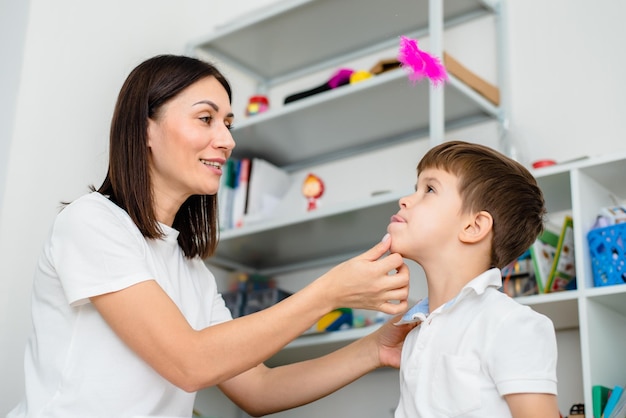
(336, 320)
(257, 104)
(360, 75)
(543, 163)
(312, 189)
(420, 64)
(340, 78)
(385, 65)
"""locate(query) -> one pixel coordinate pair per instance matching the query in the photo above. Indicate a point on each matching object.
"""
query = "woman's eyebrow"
(213, 105)
(208, 102)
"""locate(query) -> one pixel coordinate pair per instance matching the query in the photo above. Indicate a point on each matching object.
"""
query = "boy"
(476, 352)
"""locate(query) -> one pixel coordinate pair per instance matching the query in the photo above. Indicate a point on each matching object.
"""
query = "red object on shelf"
(257, 104)
(543, 163)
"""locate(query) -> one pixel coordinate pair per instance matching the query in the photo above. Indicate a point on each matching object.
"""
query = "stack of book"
(250, 189)
(609, 403)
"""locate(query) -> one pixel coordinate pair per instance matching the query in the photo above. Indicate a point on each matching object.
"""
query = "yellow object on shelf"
(360, 75)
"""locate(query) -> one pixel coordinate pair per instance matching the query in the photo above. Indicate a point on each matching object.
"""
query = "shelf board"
(280, 39)
(326, 233)
(610, 296)
(309, 129)
(560, 307)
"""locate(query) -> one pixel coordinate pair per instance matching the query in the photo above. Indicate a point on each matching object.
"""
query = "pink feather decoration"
(419, 63)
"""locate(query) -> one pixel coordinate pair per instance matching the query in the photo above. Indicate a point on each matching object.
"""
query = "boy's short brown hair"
(490, 181)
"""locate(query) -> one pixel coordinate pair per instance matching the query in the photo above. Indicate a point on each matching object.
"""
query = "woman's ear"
(478, 226)
(150, 132)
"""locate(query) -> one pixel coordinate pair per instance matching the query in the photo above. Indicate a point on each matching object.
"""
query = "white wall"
(13, 15)
(567, 100)
(568, 92)
(76, 55)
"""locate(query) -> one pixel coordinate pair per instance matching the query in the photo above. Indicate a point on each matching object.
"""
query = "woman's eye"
(229, 126)
(206, 119)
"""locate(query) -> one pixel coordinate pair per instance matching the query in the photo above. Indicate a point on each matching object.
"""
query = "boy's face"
(429, 221)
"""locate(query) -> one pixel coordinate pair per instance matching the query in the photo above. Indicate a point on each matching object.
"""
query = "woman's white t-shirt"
(75, 365)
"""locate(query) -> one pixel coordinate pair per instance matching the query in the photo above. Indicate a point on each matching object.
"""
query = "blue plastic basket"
(608, 254)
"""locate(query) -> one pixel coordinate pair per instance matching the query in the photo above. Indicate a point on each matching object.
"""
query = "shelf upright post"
(502, 59)
(436, 98)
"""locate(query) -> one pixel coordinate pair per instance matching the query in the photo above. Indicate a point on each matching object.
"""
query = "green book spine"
(600, 394)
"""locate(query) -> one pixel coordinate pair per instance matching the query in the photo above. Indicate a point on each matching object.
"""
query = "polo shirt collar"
(478, 285)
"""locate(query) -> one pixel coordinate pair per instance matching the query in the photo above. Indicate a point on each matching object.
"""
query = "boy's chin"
(394, 248)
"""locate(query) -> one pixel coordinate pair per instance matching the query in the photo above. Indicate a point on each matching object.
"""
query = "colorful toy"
(312, 189)
(360, 75)
(335, 320)
(419, 63)
(257, 104)
(340, 78)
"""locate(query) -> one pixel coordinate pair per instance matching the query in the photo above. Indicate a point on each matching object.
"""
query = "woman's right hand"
(369, 281)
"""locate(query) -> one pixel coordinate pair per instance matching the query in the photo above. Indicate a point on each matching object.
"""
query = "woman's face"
(189, 141)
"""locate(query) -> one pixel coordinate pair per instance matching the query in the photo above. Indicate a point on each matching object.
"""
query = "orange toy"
(312, 189)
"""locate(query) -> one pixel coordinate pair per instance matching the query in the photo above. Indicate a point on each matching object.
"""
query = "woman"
(127, 318)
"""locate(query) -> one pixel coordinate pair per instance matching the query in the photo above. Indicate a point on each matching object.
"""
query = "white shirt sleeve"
(524, 354)
(96, 250)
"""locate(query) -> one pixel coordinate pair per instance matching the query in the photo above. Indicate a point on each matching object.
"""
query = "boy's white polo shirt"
(467, 354)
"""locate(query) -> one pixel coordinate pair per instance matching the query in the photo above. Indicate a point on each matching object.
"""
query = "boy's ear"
(477, 227)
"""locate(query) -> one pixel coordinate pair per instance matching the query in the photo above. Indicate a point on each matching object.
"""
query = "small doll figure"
(312, 189)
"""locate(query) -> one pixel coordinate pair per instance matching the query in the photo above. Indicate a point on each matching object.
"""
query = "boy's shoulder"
(505, 309)
(495, 303)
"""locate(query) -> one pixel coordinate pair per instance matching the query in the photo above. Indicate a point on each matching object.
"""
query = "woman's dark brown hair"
(148, 87)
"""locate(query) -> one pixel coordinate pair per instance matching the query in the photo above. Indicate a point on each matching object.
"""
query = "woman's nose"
(225, 139)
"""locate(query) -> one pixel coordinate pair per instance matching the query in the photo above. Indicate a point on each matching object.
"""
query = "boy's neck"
(445, 284)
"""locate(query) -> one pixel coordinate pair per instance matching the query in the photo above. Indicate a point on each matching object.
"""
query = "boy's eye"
(429, 189)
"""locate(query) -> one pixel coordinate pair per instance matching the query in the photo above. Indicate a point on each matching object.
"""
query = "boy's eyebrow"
(213, 105)
(429, 179)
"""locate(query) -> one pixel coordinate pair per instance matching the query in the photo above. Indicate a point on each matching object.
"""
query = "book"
(267, 185)
(614, 398)
(563, 270)
(542, 253)
(599, 396)
(619, 411)
(225, 194)
(240, 194)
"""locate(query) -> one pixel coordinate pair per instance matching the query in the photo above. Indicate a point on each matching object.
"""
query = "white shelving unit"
(599, 313)
(286, 41)
(292, 39)
(583, 188)
(295, 38)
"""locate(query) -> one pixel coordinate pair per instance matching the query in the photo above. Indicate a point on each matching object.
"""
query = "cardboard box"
(487, 90)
